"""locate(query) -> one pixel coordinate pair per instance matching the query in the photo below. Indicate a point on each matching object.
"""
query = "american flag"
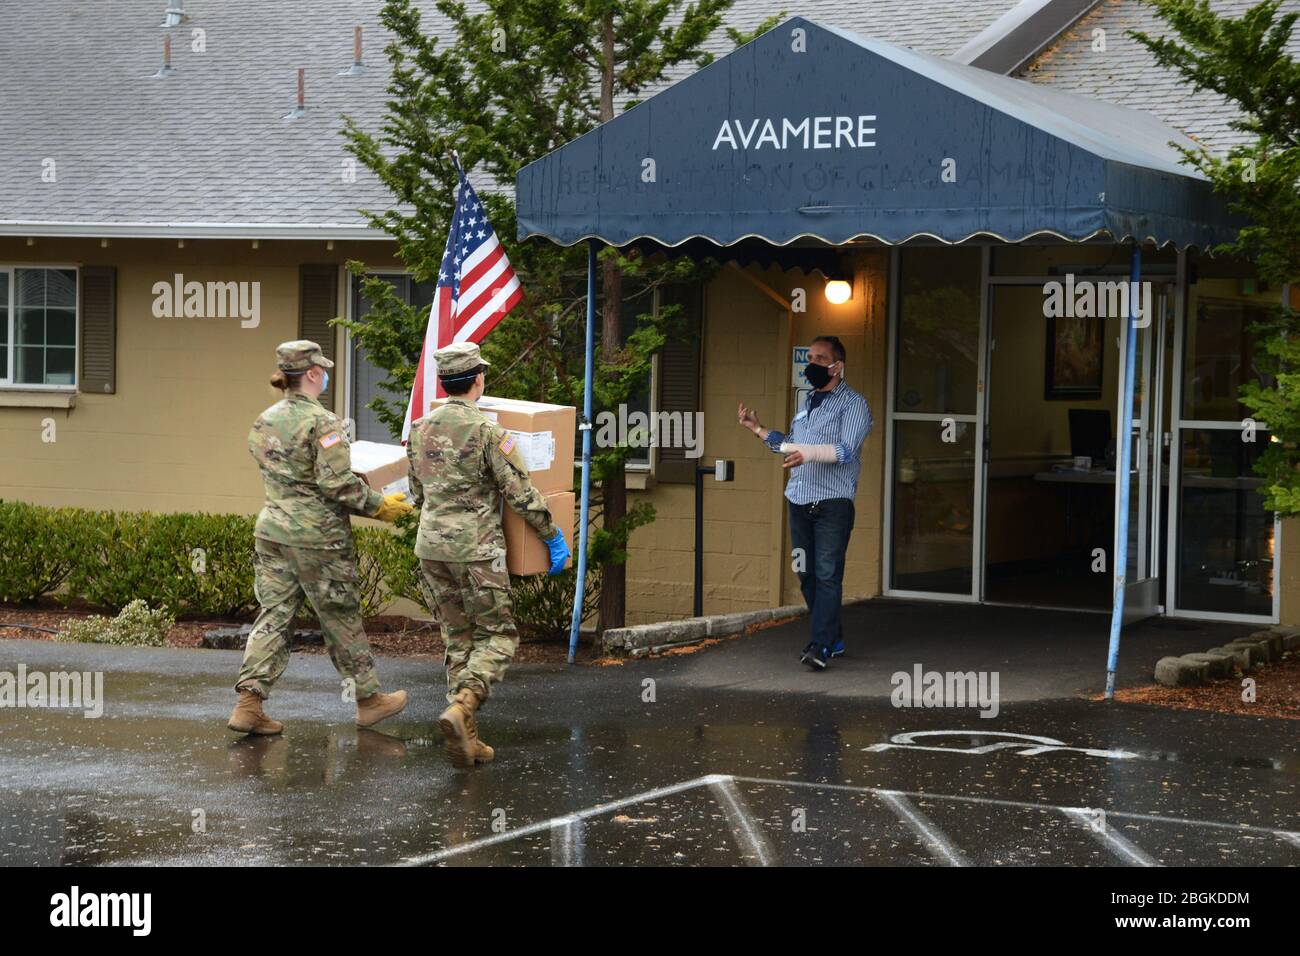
(476, 289)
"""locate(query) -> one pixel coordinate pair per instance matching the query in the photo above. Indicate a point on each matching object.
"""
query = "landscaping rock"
(1256, 653)
(1179, 672)
(1217, 664)
(234, 638)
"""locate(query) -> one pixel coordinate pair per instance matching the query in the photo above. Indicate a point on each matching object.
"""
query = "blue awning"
(810, 133)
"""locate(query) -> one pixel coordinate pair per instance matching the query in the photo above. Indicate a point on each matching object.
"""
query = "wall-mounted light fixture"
(838, 291)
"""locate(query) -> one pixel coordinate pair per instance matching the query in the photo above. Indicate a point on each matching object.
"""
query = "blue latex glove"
(559, 553)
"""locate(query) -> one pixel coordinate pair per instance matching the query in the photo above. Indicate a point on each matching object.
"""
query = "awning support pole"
(585, 425)
(1123, 458)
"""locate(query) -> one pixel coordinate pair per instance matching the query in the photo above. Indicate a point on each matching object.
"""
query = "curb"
(644, 639)
(1243, 654)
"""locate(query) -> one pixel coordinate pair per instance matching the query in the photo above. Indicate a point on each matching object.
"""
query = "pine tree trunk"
(613, 576)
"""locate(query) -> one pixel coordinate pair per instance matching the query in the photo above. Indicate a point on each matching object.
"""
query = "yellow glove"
(393, 507)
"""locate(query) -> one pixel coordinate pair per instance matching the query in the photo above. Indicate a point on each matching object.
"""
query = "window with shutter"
(679, 376)
(98, 330)
(318, 303)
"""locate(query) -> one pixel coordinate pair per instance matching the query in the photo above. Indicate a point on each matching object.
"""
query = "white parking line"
(1106, 835)
(930, 835)
(424, 859)
(567, 831)
(749, 838)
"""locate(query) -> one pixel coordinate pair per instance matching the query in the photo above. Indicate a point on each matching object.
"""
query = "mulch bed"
(1277, 693)
(390, 635)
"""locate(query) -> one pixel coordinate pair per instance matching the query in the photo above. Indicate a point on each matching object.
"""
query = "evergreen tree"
(1245, 60)
(521, 78)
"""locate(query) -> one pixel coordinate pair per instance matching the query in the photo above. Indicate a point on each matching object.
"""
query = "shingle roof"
(1126, 74)
(208, 144)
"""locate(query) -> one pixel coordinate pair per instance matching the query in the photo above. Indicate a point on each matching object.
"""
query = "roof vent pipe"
(299, 110)
(174, 15)
(166, 68)
(357, 68)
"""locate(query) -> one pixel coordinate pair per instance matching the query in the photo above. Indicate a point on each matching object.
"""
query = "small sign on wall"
(798, 363)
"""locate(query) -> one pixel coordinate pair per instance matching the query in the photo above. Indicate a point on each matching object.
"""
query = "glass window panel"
(59, 363)
(938, 330)
(4, 361)
(30, 327)
(61, 288)
(30, 285)
(1226, 544)
(1219, 358)
(30, 365)
(60, 327)
(934, 507)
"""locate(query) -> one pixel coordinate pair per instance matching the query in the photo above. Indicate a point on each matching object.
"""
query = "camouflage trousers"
(285, 577)
(472, 603)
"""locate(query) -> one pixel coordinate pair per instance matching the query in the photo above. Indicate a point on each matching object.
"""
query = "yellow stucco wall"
(748, 340)
(173, 437)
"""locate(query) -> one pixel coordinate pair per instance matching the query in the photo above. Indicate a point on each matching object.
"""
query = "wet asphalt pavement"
(733, 755)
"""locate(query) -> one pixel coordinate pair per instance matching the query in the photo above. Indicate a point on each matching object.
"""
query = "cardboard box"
(525, 552)
(382, 467)
(543, 433)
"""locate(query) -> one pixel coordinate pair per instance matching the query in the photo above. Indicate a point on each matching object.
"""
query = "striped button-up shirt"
(843, 419)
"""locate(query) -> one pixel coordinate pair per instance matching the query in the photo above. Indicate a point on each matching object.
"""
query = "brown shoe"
(248, 718)
(371, 710)
(457, 724)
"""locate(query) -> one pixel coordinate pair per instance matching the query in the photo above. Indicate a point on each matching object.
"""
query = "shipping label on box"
(544, 434)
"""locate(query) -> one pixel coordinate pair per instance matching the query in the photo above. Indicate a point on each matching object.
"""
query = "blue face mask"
(326, 386)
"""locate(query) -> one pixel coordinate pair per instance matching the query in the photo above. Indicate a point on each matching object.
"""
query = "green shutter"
(98, 292)
(318, 303)
(679, 377)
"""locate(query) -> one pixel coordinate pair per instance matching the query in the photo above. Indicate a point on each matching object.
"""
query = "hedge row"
(201, 565)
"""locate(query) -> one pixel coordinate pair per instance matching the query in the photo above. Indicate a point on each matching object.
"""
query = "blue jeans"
(819, 534)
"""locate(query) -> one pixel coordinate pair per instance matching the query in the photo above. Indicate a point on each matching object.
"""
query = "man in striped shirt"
(823, 452)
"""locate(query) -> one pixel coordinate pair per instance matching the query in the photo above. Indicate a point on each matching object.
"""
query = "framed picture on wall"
(1074, 358)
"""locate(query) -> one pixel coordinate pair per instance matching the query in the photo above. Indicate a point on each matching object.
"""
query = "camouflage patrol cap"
(300, 355)
(458, 359)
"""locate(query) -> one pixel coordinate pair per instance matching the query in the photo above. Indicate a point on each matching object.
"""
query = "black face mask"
(817, 375)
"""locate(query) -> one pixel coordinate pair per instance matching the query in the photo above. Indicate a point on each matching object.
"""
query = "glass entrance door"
(935, 423)
(1143, 484)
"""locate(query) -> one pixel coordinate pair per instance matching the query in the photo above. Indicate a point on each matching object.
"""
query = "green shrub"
(39, 548)
(195, 564)
(135, 625)
(544, 604)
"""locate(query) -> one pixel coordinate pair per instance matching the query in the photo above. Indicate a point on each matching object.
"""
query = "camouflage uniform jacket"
(307, 472)
(461, 466)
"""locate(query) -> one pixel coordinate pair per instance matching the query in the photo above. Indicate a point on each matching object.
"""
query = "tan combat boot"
(371, 710)
(248, 718)
(457, 723)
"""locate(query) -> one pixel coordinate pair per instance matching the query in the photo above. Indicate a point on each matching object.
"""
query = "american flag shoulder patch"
(507, 444)
(330, 440)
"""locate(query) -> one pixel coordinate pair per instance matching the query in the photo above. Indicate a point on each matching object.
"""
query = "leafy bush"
(544, 604)
(135, 625)
(196, 564)
(39, 548)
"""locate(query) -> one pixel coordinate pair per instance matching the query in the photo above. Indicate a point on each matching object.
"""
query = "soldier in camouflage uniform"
(461, 467)
(304, 547)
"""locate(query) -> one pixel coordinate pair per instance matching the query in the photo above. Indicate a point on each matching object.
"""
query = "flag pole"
(585, 426)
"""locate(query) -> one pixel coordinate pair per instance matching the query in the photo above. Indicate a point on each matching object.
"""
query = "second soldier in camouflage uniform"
(461, 467)
(304, 548)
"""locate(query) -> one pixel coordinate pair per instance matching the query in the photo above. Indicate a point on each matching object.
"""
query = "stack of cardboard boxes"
(544, 435)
